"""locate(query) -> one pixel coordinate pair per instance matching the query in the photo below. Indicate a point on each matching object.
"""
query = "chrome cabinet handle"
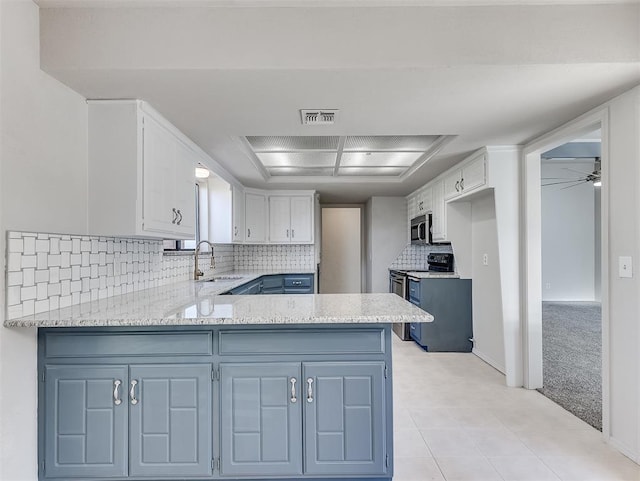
(235, 231)
(132, 392)
(461, 184)
(175, 216)
(180, 219)
(310, 390)
(287, 233)
(458, 186)
(293, 233)
(116, 392)
(293, 390)
(248, 232)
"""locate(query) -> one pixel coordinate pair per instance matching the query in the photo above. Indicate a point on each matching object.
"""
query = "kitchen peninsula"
(181, 382)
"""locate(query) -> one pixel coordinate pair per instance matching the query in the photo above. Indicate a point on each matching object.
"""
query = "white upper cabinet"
(255, 217)
(291, 219)
(424, 201)
(238, 213)
(141, 173)
(468, 177)
(439, 221)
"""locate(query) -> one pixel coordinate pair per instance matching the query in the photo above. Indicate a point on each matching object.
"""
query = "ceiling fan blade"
(565, 182)
(576, 185)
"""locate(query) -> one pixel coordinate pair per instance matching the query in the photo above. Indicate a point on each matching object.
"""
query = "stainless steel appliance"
(398, 285)
(421, 227)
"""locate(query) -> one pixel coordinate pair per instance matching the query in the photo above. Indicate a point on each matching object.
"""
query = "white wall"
(386, 224)
(487, 298)
(43, 160)
(341, 267)
(568, 234)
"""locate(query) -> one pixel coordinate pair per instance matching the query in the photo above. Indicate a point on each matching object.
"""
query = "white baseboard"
(489, 360)
(625, 450)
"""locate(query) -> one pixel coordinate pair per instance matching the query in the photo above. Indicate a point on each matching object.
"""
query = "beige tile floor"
(455, 420)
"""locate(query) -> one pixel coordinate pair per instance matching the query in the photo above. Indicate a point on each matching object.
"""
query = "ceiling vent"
(318, 117)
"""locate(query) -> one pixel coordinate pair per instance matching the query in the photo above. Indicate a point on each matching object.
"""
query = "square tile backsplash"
(51, 271)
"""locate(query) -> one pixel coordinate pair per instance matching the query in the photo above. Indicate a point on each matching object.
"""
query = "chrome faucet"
(197, 273)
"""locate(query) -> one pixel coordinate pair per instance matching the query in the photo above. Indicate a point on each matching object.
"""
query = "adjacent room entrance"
(341, 257)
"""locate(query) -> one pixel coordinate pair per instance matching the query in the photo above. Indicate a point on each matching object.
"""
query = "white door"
(438, 231)
(255, 217)
(185, 190)
(279, 219)
(473, 174)
(340, 268)
(301, 219)
(452, 185)
(238, 214)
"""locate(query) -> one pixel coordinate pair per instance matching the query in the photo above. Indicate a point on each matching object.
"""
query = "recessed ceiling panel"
(406, 143)
(375, 171)
(292, 143)
(301, 172)
(297, 159)
(376, 159)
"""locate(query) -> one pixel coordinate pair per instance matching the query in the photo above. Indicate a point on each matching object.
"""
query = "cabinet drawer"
(414, 291)
(128, 344)
(272, 282)
(357, 341)
(298, 281)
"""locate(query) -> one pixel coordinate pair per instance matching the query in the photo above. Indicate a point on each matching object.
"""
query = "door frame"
(531, 242)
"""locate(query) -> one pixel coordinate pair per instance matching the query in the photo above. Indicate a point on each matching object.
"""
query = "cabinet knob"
(293, 390)
(310, 390)
(116, 392)
(132, 392)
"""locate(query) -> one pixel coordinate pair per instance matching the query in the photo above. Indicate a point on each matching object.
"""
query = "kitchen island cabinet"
(279, 387)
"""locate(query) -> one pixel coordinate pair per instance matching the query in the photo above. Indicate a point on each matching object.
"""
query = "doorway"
(571, 309)
(341, 257)
(533, 286)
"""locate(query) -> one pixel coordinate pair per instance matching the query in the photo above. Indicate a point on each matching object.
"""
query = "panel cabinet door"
(301, 219)
(473, 174)
(261, 419)
(170, 420)
(85, 432)
(185, 190)
(237, 201)
(439, 232)
(452, 186)
(255, 218)
(344, 418)
(279, 218)
(159, 155)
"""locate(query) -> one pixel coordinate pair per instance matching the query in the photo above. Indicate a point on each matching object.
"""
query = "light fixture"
(202, 173)
(597, 183)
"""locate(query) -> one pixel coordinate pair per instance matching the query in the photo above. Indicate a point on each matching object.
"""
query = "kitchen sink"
(224, 278)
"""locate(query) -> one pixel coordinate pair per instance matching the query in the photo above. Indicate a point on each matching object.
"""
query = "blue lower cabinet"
(170, 420)
(86, 418)
(272, 285)
(344, 418)
(261, 421)
(415, 331)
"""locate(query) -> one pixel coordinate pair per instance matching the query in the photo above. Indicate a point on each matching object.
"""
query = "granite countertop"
(422, 274)
(200, 303)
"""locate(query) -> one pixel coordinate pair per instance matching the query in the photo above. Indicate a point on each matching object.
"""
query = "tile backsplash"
(415, 256)
(50, 271)
(274, 257)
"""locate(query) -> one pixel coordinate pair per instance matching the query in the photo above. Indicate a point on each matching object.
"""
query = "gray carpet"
(572, 353)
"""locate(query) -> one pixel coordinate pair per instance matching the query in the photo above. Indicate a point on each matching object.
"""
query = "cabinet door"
(452, 186)
(238, 214)
(427, 201)
(302, 219)
(170, 420)
(473, 174)
(159, 155)
(255, 217)
(439, 232)
(85, 433)
(279, 218)
(261, 419)
(344, 418)
(185, 191)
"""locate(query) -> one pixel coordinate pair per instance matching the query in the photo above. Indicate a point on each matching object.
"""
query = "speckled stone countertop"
(433, 275)
(200, 303)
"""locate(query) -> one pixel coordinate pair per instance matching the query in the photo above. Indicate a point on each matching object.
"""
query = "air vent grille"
(318, 117)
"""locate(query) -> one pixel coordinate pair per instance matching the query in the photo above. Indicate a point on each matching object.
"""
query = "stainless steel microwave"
(421, 230)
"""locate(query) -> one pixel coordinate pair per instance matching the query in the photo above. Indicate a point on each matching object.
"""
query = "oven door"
(398, 286)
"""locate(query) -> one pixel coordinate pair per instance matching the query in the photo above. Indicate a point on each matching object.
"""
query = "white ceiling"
(490, 75)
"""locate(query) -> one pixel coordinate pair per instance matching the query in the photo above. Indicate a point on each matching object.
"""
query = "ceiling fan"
(585, 177)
